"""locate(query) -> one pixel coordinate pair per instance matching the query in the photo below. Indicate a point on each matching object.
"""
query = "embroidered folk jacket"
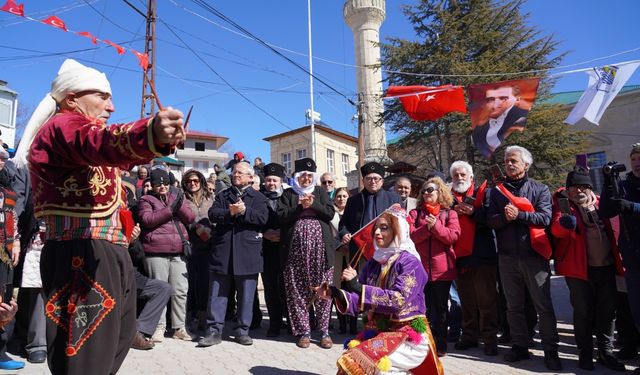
(395, 289)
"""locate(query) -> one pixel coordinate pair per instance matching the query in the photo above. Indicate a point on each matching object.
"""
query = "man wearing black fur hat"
(367, 204)
(586, 254)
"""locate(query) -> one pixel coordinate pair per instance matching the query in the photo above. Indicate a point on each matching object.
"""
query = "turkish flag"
(143, 59)
(94, 40)
(11, 7)
(55, 22)
(119, 48)
(424, 103)
(363, 239)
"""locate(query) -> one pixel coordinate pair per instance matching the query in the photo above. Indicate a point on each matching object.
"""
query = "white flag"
(604, 84)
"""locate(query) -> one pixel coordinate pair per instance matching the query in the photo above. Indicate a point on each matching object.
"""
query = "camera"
(613, 168)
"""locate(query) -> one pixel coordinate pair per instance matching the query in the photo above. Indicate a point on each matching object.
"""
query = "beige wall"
(324, 141)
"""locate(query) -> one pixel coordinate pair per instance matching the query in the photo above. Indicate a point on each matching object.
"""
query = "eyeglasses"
(240, 173)
(373, 179)
(428, 190)
(327, 182)
(580, 187)
(161, 184)
(193, 181)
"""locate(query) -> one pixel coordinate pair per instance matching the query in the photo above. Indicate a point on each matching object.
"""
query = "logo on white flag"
(606, 76)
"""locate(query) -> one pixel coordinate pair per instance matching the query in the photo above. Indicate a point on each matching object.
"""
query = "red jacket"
(570, 245)
(435, 246)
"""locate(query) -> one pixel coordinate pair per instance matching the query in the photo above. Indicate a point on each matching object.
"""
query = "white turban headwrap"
(72, 77)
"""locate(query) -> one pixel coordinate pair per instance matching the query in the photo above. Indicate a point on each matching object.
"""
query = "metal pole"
(361, 119)
(148, 97)
(313, 133)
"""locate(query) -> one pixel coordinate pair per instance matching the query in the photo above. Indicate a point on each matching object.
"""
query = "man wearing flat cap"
(75, 161)
(586, 254)
(272, 254)
(367, 204)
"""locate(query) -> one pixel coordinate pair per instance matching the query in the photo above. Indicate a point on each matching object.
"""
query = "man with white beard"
(476, 261)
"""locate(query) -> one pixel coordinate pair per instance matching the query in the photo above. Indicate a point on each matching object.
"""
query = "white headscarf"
(72, 77)
(299, 189)
(401, 242)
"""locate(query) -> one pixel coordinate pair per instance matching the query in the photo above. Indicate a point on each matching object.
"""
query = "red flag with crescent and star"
(11, 7)
(424, 103)
(55, 22)
(143, 59)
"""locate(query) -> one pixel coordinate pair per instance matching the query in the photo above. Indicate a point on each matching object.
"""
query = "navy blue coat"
(237, 241)
(352, 219)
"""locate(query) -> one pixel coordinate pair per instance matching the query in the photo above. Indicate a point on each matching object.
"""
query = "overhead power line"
(221, 15)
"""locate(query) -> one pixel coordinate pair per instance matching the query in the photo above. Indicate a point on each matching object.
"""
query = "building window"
(199, 146)
(301, 153)
(5, 112)
(345, 164)
(596, 161)
(181, 146)
(286, 162)
(331, 165)
(201, 165)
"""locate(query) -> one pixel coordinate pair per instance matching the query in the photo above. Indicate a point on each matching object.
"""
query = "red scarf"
(539, 240)
(464, 245)
(433, 209)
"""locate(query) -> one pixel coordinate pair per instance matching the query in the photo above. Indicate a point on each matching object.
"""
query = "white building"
(8, 112)
(200, 151)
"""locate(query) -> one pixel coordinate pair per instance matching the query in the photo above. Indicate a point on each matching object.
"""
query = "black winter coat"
(237, 241)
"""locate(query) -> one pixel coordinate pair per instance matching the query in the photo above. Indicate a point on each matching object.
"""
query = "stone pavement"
(281, 356)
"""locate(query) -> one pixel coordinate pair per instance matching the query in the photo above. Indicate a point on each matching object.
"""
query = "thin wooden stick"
(357, 255)
(155, 95)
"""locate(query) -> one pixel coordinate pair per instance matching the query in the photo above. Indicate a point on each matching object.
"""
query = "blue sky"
(586, 29)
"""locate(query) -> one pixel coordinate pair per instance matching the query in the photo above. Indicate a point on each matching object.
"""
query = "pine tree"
(466, 42)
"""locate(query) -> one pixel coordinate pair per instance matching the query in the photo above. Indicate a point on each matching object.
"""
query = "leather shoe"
(304, 342)
(491, 350)
(11, 365)
(139, 342)
(465, 344)
(244, 340)
(609, 361)
(39, 356)
(585, 361)
(517, 353)
(552, 361)
(212, 338)
(326, 342)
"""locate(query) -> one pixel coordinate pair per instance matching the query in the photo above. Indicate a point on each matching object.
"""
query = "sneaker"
(158, 335)
(304, 342)
(182, 334)
(609, 361)
(517, 354)
(212, 338)
(244, 340)
(140, 342)
(465, 344)
(552, 361)
(326, 342)
(11, 365)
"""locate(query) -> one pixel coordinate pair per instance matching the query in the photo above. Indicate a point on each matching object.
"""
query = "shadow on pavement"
(266, 370)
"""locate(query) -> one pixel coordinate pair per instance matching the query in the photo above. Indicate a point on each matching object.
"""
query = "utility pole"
(148, 106)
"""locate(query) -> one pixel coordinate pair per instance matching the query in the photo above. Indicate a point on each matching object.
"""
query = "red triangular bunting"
(55, 22)
(94, 40)
(143, 59)
(119, 48)
(11, 7)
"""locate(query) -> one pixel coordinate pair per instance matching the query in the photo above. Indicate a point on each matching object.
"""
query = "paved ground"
(281, 356)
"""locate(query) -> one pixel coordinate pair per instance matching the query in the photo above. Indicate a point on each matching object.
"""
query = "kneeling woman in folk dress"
(396, 338)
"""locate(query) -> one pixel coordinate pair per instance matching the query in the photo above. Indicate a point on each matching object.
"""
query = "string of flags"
(18, 9)
(498, 109)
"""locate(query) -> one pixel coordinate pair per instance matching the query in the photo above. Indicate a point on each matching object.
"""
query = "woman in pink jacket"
(435, 231)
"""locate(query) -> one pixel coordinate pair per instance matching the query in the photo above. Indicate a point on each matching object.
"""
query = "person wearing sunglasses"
(162, 212)
(627, 205)
(328, 182)
(199, 199)
(436, 229)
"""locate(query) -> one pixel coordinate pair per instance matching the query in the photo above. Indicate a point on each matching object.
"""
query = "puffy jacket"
(570, 247)
(159, 235)
(435, 246)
